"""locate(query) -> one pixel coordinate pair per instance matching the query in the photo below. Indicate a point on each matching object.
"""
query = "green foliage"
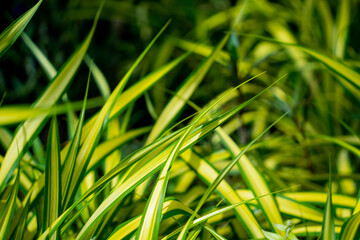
(220, 123)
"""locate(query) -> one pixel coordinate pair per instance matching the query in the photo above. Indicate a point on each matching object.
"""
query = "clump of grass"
(239, 151)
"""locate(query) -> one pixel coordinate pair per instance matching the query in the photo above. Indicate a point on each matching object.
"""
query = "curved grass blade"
(212, 214)
(292, 207)
(351, 228)
(184, 93)
(149, 168)
(99, 77)
(256, 181)
(150, 221)
(14, 114)
(340, 142)
(6, 213)
(52, 191)
(171, 208)
(68, 165)
(255, 231)
(342, 28)
(357, 206)
(12, 32)
(51, 72)
(46, 65)
(351, 77)
(209, 174)
(26, 132)
(135, 91)
(201, 49)
(226, 170)
(320, 198)
(23, 217)
(328, 229)
(101, 119)
(128, 227)
(107, 147)
(311, 230)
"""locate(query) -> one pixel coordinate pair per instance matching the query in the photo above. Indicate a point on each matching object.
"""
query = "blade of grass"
(69, 162)
(108, 147)
(52, 191)
(99, 77)
(6, 213)
(12, 32)
(292, 207)
(46, 65)
(20, 230)
(184, 93)
(339, 200)
(311, 230)
(135, 91)
(328, 228)
(342, 29)
(212, 214)
(256, 181)
(150, 221)
(149, 168)
(10, 115)
(351, 228)
(101, 119)
(225, 171)
(26, 132)
(351, 77)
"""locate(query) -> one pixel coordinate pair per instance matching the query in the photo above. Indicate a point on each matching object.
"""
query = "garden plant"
(180, 119)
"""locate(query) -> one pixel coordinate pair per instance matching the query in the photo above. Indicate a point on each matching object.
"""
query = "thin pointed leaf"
(256, 181)
(49, 69)
(255, 230)
(351, 228)
(6, 214)
(26, 133)
(23, 217)
(12, 32)
(69, 162)
(328, 227)
(52, 201)
(150, 222)
(93, 136)
(184, 93)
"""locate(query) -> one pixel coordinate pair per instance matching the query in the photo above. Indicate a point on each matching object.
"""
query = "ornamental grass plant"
(180, 120)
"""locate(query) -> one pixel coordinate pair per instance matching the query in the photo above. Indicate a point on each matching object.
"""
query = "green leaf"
(23, 217)
(272, 236)
(99, 77)
(253, 229)
(49, 69)
(12, 32)
(52, 194)
(6, 213)
(92, 138)
(351, 228)
(14, 114)
(351, 77)
(256, 181)
(150, 222)
(184, 93)
(69, 162)
(148, 168)
(328, 228)
(28, 131)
